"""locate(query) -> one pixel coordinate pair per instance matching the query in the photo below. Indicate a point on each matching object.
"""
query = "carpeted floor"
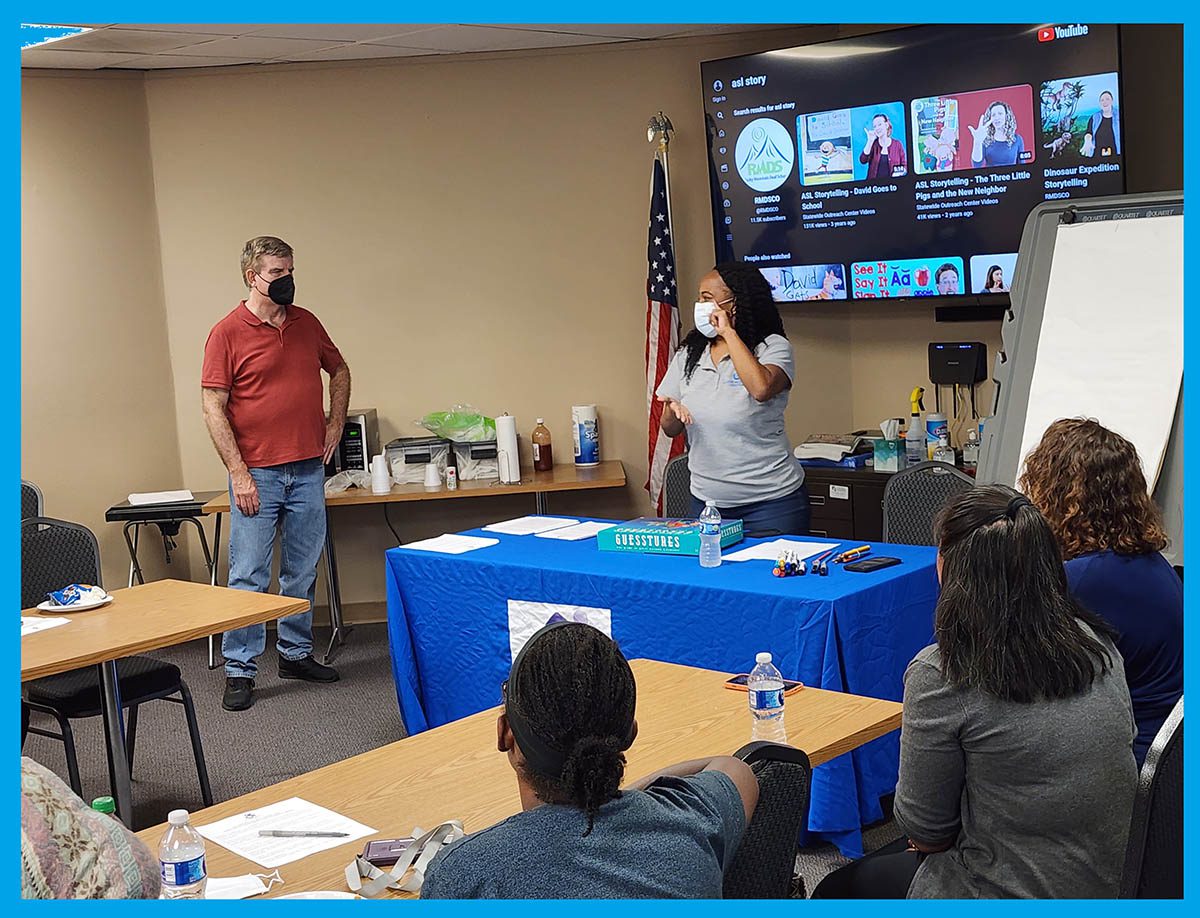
(293, 728)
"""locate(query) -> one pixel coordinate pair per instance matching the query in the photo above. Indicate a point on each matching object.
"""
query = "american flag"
(662, 331)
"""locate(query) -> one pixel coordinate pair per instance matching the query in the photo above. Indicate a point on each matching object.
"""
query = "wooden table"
(454, 771)
(608, 474)
(138, 620)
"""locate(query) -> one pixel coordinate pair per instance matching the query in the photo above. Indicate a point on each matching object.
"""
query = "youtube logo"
(1049, 33)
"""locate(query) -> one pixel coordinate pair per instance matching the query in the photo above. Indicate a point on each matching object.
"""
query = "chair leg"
(189, 712)
(130, 736)
(68, 738)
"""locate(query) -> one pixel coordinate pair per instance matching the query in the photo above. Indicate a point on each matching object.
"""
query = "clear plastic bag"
(344, 481)
(462, 423)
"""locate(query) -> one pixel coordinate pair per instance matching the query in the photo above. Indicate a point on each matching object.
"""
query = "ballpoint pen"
(299, 833)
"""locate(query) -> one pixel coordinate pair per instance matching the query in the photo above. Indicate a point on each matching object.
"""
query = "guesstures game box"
(651, 535)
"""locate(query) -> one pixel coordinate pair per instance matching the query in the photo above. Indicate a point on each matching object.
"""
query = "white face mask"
(704, 309)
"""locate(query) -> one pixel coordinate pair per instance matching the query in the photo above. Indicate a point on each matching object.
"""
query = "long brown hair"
(1088, 483)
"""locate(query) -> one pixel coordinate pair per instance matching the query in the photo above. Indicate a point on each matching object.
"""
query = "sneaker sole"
(249, 704)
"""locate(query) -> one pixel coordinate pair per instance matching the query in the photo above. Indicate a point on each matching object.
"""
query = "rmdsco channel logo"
(764, 154)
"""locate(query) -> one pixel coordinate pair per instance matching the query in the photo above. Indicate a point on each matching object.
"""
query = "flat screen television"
(903, 164)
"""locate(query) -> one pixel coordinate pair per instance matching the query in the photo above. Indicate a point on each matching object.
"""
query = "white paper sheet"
(526, 618)
(451, 544)
(160, 497)
(240, 833)
(769, 551)
(31, 624)
(530, 525)
(576, 532)
(1111, 342)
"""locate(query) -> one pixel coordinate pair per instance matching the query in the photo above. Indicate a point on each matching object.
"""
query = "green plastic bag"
(462, 423)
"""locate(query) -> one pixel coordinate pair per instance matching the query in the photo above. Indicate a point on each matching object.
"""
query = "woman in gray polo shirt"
(728, 386)
(1016, 749)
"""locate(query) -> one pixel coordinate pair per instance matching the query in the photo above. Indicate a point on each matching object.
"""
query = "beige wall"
(97, 410)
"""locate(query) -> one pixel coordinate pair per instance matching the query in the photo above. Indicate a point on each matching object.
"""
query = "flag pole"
(660, 127)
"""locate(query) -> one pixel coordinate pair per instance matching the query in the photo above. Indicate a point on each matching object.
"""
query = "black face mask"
(282, 290)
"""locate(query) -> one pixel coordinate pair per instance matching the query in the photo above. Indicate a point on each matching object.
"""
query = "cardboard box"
(650, 535)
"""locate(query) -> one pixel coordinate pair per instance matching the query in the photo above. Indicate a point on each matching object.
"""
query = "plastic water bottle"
(710, 535)
(765, 693)
(181, 857)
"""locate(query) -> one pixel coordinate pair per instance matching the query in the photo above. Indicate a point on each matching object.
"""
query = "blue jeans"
(788, 515)
(291, 500)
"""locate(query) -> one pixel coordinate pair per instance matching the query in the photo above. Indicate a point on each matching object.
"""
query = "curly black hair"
(577, 692)
(757, 315)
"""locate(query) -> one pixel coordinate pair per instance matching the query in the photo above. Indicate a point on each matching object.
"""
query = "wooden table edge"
(241, 621)
(357, 497)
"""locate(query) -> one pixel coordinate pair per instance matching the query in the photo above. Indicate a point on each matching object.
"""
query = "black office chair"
(765, 861)
(913, 497)
(32, 504)
(31, 500)
(55, 553)
(1154, 856)
(677, 489)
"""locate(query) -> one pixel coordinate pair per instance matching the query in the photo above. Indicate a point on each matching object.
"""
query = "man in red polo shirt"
(264, 407)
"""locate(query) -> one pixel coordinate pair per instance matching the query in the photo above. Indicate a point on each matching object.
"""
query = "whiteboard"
(1111, 343)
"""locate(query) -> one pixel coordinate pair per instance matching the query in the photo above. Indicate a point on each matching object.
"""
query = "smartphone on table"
(739, 683)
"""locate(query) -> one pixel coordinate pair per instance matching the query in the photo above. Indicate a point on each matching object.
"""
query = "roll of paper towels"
(586, 429)
(507, 458)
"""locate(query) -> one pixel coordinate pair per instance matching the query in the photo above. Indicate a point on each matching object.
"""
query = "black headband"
(539, 755)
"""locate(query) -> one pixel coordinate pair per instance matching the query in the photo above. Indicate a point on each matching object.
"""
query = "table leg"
(539, 499)
(213, 568)
(135, 569)
(114, 737)
(334, 589)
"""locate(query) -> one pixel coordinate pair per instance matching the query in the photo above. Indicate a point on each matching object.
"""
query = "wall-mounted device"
(957, 363)
(360, 441)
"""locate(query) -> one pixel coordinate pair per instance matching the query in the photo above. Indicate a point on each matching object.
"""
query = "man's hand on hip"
(333, 436)
(245, 492)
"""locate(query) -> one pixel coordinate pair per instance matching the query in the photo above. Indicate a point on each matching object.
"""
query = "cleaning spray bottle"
(914, 437)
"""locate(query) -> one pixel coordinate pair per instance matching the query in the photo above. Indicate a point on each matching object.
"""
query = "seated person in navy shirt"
(567, 721)
(1088, 482)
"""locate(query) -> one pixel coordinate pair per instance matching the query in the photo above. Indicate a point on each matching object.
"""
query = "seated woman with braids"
(567, 721)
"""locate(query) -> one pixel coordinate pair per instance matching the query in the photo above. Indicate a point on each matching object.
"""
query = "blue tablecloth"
(449, 620)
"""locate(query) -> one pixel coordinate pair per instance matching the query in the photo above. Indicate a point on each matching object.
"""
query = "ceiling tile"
(340, 32)
(251, 46)
(176, 61)
(464, 38)
(202, 28)
(70, 60)
(130, 40)
(637, 30)
(360, 51)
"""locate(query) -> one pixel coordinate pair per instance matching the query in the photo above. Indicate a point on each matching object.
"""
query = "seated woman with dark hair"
(1088, 483)
(1016, 764)
(567, 721)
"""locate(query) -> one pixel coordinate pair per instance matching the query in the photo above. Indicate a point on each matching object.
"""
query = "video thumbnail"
(908, 277)
(992, 273)
(1081, 119)
(987, 128)
(807, 282)
(852, 144)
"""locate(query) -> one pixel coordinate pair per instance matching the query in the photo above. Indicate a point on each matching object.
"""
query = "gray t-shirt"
(1038, 797)
(670, 841)
(738, 449)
